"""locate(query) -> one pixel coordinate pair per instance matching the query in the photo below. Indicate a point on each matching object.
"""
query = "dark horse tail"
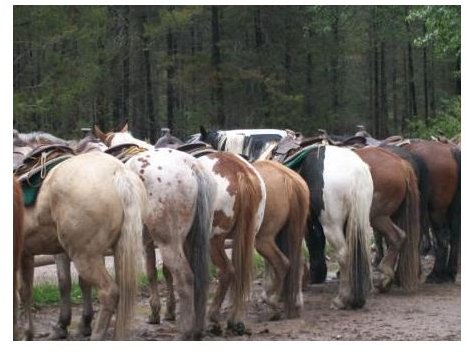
(197, 247)
(422, 173)
(454, 220)
(408, 220)
(290, 239)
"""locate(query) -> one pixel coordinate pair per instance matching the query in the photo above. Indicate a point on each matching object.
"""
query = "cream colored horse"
(88, 204)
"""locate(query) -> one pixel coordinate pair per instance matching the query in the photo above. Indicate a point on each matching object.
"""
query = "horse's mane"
(36, 138)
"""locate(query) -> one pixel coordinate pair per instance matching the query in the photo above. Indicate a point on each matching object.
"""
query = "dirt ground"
(432, 313)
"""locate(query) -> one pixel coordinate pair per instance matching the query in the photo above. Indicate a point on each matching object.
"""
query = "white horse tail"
(128, 249)
(198, 245)
(358, 233)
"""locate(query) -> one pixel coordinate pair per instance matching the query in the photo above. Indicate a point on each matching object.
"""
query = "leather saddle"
(197, 149)
(124, 152)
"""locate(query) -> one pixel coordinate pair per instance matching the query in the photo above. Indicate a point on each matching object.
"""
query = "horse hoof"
(276, 316)
(85, 330)
(169, 317)
(237, 328)
(337, 304)
(58, 333)
(154, 319)
(435, 278)
(215, 329)
(189, 336)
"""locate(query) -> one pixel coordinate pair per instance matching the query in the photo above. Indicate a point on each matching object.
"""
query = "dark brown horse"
(443, 161)
(18, 216)
(395, 214)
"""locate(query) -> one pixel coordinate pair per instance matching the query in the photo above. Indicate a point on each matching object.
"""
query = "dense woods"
(395, 69)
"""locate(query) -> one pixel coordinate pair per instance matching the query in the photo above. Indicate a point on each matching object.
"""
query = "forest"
(394, 69)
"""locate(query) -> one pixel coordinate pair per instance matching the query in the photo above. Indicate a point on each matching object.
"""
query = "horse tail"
(358, 232)
(128, 249)
(197, 246)
(291, 239)
(408, 220)
(243, 238)
(18, 216)
(454, 217)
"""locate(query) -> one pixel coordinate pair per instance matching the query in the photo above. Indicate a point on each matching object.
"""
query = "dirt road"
(432, 313)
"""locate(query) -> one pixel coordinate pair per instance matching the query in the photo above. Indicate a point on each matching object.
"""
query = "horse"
(181, 193)
(443, 161)
(88, 204)
(341, 189)
(285, 219)
(18, 239)
(395, 214)
(249, 143)
(238, 213)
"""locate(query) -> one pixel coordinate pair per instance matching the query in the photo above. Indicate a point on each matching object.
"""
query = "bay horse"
(443, 161)
(18, 219)
(181, 194)
(395, 214)
(88, 204)
(238, 213)
(285, 220)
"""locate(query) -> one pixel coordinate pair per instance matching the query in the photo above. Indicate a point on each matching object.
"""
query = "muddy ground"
(432, 313)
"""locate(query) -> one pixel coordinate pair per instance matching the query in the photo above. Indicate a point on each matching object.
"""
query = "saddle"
(197, 149)
(40, 158)
(292, 149)
(124, 152)
(35, 167)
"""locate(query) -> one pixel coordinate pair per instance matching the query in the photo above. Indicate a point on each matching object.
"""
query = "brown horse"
(395, 214)
(443, 161)
(285, 218)
(18, 216)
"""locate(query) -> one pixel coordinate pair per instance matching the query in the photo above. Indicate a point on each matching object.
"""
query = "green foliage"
(48, 294)
(442, 28)
(447, 123)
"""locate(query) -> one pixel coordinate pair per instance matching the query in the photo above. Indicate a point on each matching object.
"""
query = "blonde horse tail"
(243, 240)
(409, 220)
(291, 236)
(197, 250)
(128, 249)
(358, 233)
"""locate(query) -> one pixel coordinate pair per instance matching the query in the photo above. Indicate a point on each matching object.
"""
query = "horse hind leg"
(60, 330)
(93, 271)
(171, 301)
(225, 277)
(183, 279)
(395, 238)
(88, 312)
(27, 272)
(151, 272)
(267, 248)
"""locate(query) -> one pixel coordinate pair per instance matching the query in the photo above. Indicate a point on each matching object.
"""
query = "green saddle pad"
(31, 184)
(295, 161)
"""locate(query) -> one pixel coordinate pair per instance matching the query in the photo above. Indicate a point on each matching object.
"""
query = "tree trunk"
(426, 92)
(171, 52)
(432, 83)
(383, 93)
(376, 92)
(412, 85)
(217, 91)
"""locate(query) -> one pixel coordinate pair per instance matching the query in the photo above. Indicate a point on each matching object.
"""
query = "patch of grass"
(48, 294)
